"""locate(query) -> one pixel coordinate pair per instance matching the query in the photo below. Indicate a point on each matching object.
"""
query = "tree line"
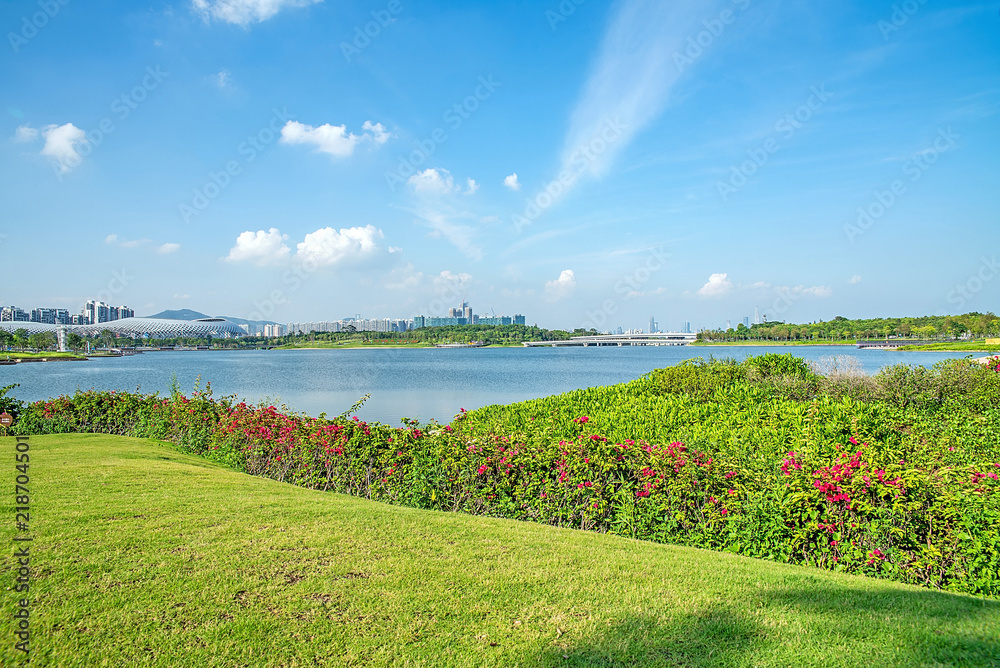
(970, 325)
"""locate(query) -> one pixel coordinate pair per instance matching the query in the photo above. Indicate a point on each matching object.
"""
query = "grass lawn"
(971, 346)
(850, 342)
(145, 556)
(7, 354)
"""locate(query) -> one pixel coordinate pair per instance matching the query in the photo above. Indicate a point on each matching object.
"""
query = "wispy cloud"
(631, 79)
(245, 12)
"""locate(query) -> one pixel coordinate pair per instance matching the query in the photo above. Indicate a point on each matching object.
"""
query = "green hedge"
(716, 455)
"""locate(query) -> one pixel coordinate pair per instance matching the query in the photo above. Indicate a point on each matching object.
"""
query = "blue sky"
(584, 163)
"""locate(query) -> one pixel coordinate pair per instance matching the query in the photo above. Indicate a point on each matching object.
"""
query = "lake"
(421, 383)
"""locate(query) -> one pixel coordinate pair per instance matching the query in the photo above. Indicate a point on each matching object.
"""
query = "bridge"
(895, 343)
(619, 340)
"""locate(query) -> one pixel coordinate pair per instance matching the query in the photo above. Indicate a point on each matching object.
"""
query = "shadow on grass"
(819, 626)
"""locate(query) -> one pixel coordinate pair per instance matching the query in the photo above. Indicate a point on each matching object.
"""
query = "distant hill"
(182, 314)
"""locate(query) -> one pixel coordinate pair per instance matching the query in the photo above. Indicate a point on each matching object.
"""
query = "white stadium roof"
(153, 328)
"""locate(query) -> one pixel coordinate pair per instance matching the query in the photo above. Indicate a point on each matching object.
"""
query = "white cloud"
(133, 243)
(459, 281)
(631, 78)
(245, 12)
(472, 186)
(718, 285)
(379, 134)
(404, 278)
(433, 181)
(260, 247)
(814, 291)
(328, 246)
(512, 182)
(111, 238)
(180, 296)
(562, 287)
(61, 142)
(461, 236)
(332, 139)
(855, 279)
(222, 79)
(25, 134)
(166, 249)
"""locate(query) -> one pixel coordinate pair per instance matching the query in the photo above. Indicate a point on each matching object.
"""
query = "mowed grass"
(145, 556)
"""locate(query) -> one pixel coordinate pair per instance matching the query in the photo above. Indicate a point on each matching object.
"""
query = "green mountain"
(181, 314)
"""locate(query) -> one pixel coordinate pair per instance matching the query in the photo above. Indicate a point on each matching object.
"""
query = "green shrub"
(714, 455)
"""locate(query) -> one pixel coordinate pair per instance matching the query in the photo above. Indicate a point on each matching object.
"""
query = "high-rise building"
(97, 312)
(46, 316)
(746, 321)
(14, 314)
(686, 327)
(653, 326)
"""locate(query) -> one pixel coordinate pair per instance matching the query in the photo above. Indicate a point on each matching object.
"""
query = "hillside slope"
(145, 555)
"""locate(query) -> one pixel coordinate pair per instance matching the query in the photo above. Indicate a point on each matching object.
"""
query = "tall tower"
(756, 315)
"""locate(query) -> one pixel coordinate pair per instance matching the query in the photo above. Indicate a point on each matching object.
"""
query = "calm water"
(418, 383)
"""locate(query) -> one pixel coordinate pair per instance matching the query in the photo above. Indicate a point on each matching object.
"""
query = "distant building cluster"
(96, 313)
(93, 313)
(463, 315)
(346, 325)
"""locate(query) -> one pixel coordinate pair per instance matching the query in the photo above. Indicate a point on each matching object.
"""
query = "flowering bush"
(877, 489)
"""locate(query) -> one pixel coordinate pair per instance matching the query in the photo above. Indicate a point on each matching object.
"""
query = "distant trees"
(42, 340)
(840, 328)
(20, 338)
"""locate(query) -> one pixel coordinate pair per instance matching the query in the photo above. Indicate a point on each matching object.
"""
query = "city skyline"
(277, 159)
